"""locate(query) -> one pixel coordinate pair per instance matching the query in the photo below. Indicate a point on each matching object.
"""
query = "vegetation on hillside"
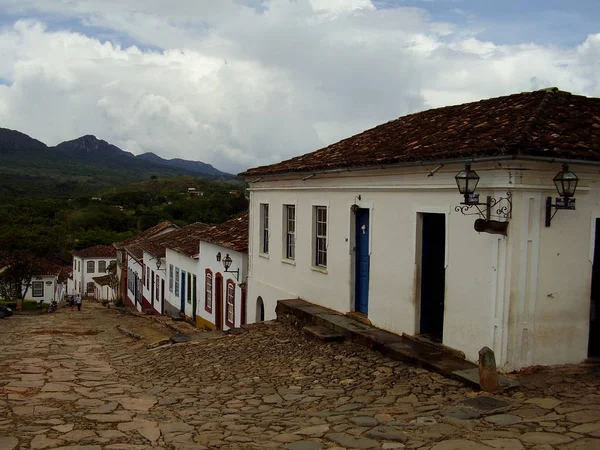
(52, 227)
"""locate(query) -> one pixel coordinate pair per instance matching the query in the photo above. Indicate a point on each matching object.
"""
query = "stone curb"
(158, 343)
(129, 332)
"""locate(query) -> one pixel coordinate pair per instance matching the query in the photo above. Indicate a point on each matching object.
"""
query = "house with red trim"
(465, 226)
(222, 273)
(123, 259)
(170, 283)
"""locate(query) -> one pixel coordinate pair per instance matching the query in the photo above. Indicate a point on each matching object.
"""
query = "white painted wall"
(208, 260)
(150, 261)
(81, 276)
(136, 268)
(488, 302)
(49, 283)
(184, 263)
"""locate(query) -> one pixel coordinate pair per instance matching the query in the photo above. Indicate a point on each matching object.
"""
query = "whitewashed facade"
(221, 293)
(182, 282)
(525, 295)
(84, 270)
(134, 282)
(44, 288)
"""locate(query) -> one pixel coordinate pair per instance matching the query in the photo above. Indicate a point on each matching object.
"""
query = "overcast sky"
(240, 83)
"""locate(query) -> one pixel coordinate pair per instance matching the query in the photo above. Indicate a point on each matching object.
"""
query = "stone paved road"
(71, 380)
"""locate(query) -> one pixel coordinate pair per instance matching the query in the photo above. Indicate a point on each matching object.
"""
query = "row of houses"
(198, 272)
(465, 226)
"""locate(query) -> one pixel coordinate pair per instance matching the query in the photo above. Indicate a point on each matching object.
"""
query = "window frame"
(208, 290)
(170, 277)
(92, 265)
(148, 277)
(264, 228)
(230, 303)
(289, 244)
(35, 284)
(320, 236)
(100, 263)
(87, 287)
(176, 281)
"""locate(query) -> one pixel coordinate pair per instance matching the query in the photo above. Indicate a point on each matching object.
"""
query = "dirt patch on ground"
(73, 332)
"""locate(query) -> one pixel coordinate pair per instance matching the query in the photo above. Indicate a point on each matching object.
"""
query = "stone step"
(322, 333)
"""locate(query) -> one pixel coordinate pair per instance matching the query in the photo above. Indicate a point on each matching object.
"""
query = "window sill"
(319, 269)
(291, 262)
(264, 255)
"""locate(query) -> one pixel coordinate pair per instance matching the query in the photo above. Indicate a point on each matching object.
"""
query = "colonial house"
(222, 272)
(122, 259)
(447, 225)
(170, 283)
(89, 263)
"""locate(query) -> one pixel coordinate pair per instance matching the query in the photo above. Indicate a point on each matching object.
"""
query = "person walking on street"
(78, 301)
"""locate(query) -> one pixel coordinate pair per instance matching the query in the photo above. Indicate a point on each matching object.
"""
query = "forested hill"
(85, 165)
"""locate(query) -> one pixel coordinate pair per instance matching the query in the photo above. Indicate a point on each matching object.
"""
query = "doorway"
(433, 275)
(195, 299)
(594, 336)
(219, 301)
(162, 296)
(183, 291)
(260, 310)
(361, 261)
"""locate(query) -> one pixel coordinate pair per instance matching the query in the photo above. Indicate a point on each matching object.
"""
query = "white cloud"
(238, 85)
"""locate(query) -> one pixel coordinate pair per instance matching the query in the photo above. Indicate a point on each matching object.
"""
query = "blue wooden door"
(362, 261)
(183, 290)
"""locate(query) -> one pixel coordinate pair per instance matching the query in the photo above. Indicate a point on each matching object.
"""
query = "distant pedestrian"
(78, 301)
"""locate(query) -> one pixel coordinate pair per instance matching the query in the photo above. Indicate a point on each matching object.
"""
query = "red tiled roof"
(232, 234)
(546, 123)
(156, 229)
(103, 280)
(45, 267)
(98, 251)
(186, 241)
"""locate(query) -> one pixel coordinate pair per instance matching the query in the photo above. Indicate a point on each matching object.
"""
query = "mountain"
(193, 166)
(82, 166)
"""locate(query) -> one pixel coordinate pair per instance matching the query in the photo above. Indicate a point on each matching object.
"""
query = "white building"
(89, 263)
(177, 252)
(127, 286)
(374, 225)
(222, 271)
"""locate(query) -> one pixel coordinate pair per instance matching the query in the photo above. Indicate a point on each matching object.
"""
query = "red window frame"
(228, 307)
(208, 293)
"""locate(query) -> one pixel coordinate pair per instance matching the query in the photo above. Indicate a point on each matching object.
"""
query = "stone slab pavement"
(71, 380)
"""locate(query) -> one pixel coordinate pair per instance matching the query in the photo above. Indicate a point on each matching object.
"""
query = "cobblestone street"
(71, 380)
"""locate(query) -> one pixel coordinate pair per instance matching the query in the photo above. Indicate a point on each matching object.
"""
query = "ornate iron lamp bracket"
(500, 207)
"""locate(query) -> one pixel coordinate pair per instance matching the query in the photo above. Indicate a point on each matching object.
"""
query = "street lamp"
(565, 182)
(227, 264)
(467, 181)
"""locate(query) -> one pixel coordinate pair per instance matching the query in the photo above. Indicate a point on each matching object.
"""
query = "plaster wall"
(525, 295)
(81, 275)
(189, 265)
(208, 260)
(136, 269)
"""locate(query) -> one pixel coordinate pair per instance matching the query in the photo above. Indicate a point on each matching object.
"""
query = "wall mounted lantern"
(219, 257)
(566, 184)
(227, 264)
(354, 208)
(158, 263)
(467, 181)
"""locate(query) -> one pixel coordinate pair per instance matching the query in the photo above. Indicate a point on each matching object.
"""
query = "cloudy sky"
(239, 83)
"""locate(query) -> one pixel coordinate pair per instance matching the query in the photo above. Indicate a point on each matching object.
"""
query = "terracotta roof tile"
(186, 241)
(156, 229)
(98, 251)
(103, 280)
(232, 234)
(548, 123)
